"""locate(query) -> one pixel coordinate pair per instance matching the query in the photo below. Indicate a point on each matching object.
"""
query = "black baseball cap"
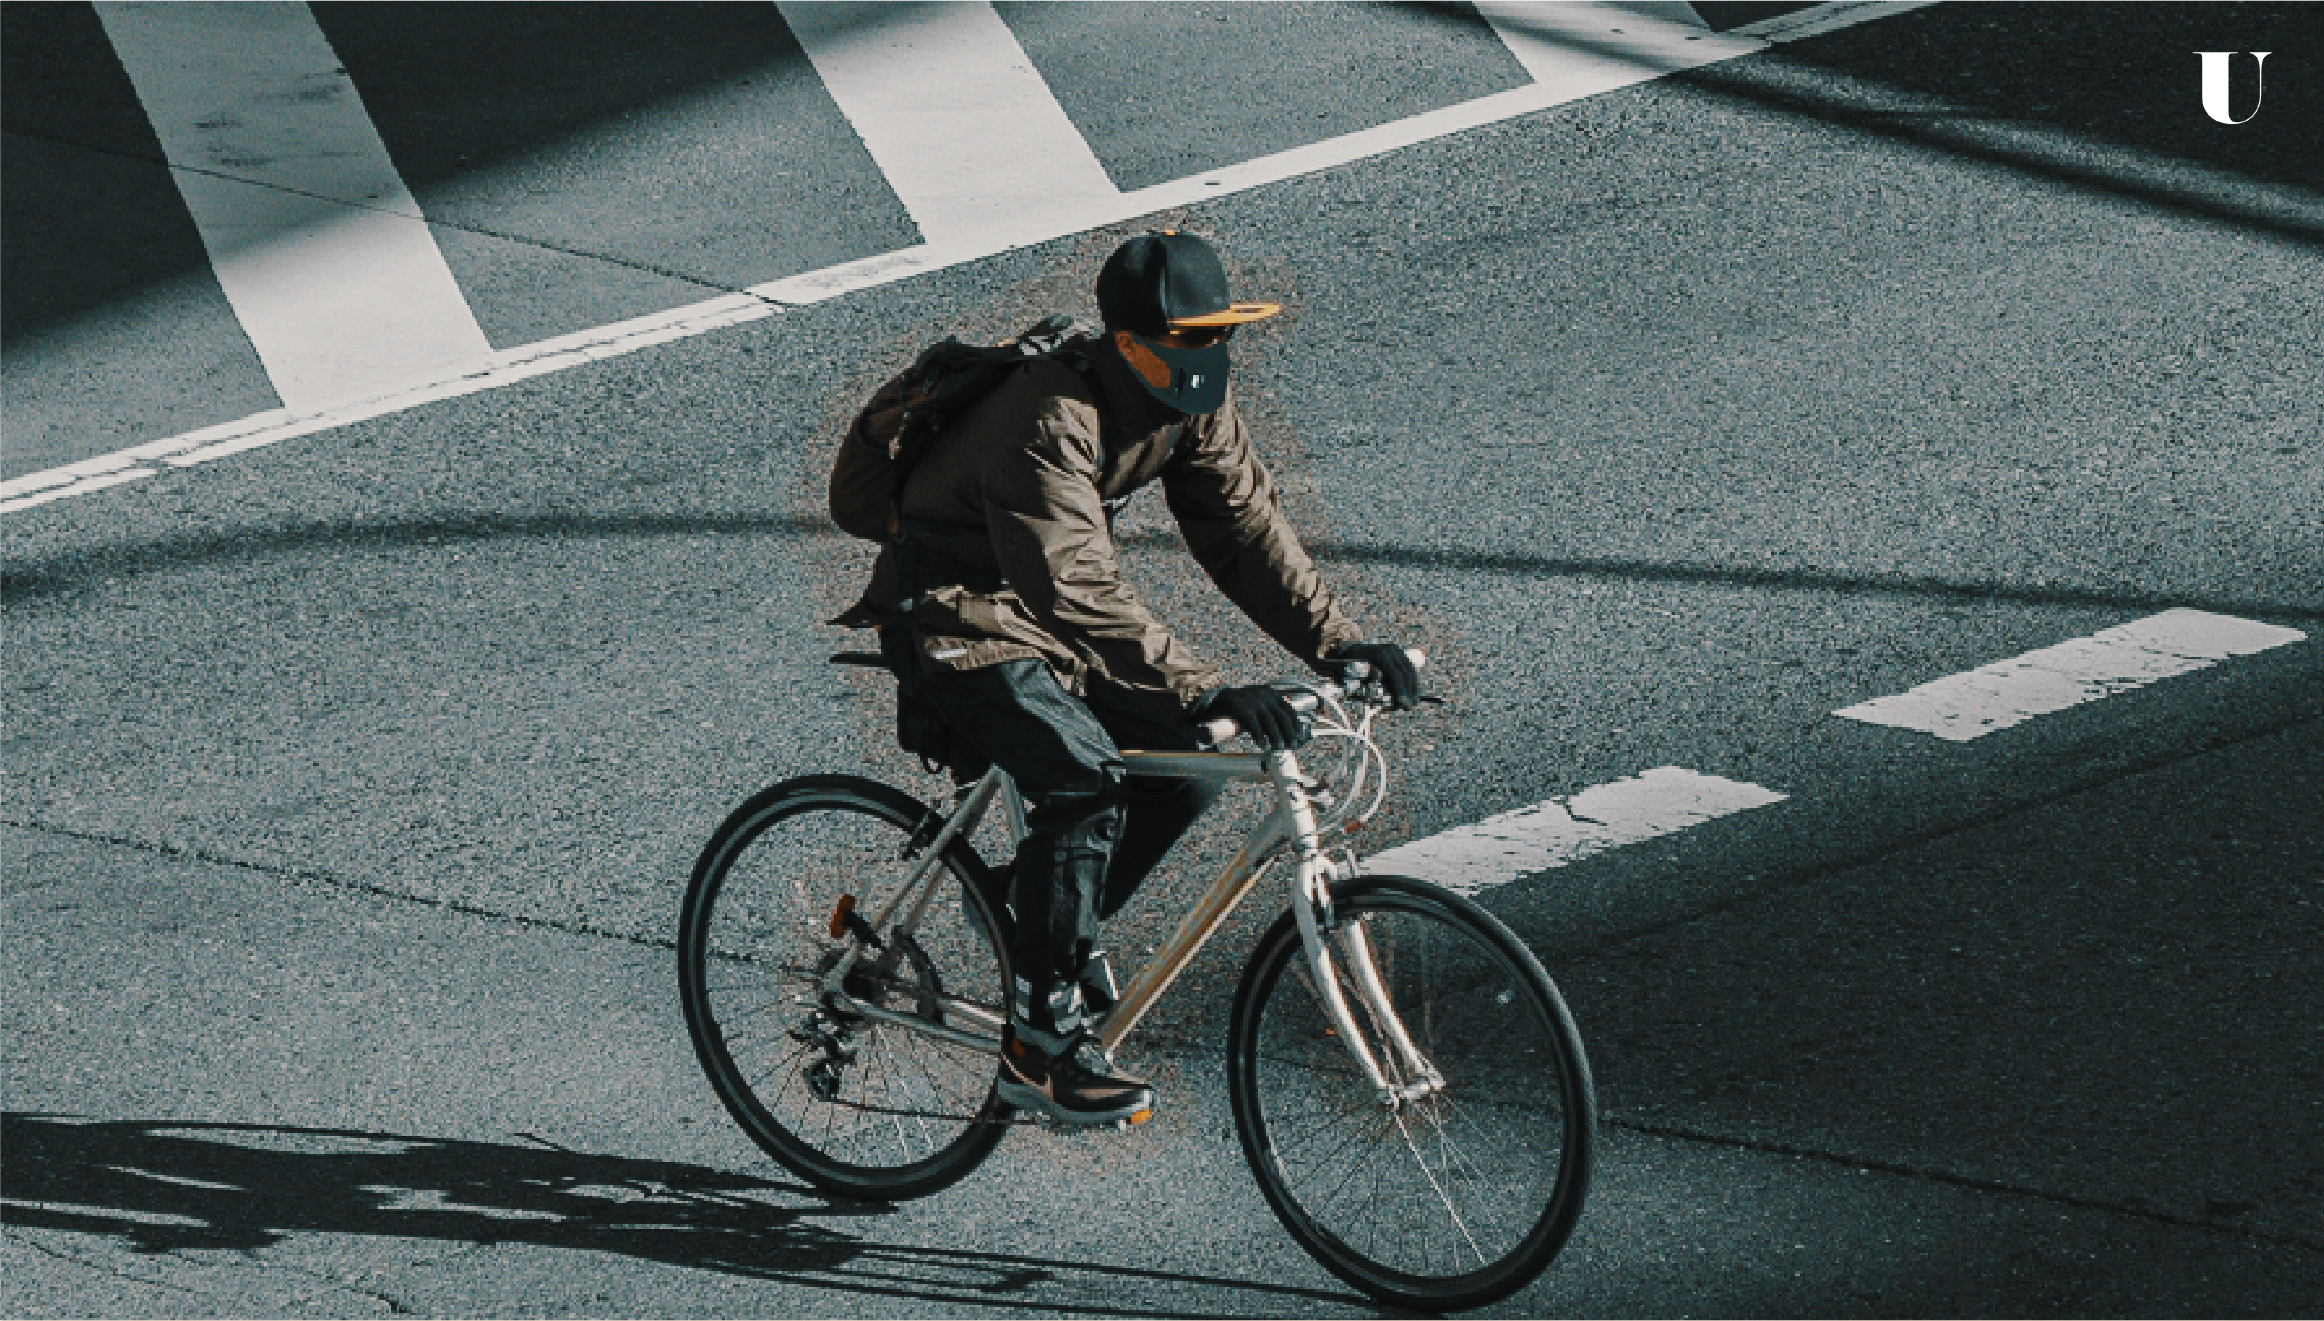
(1168, 280)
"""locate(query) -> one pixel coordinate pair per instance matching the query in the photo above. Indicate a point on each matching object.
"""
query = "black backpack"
(887, 440)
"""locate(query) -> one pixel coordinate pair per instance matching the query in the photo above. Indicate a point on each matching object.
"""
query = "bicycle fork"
(1320, 932)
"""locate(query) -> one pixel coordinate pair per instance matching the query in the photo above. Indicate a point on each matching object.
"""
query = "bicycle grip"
(1418, 658)
(1220, 730)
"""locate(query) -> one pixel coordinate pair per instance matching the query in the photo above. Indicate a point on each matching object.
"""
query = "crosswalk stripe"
(1499, 849)
(1582, 50)
(315, 239)
(1974, 703)
(958, 119)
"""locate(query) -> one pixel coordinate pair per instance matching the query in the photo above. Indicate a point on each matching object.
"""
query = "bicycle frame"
(1291, 821)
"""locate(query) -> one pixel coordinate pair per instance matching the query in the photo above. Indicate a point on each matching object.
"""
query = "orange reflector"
(839, 912)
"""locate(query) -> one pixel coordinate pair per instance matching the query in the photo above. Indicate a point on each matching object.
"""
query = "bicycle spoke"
(892, 1087)
(1438, 1188)
(869, 1107)
(1355, 1145)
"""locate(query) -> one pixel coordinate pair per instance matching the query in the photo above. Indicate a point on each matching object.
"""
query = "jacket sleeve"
(1224, 501)
(1049, 536)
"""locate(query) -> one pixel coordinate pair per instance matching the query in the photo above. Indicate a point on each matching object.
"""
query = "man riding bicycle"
(1024, 638)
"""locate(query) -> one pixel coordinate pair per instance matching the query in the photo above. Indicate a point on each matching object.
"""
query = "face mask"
(1188, 380)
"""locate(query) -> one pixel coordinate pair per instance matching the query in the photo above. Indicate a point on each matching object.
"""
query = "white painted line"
(38, 481)
(884, 268)
(1820, 19)
(318, 245)
(273, 417)
(1974, 703)
(541, 359)
(1500, 849)
(1583, 50)
(77, 488)
(507, 368)
(952, 110)
(75, 478)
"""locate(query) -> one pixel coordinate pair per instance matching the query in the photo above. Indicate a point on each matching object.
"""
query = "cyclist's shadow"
(159, 1186)
(165, 1187)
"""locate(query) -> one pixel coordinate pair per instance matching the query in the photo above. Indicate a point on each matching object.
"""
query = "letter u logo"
(2215, 84)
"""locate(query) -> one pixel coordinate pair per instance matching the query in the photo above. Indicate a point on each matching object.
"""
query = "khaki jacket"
(1013, 548)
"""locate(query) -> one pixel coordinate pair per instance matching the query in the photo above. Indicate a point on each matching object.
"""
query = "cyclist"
(1028, 643)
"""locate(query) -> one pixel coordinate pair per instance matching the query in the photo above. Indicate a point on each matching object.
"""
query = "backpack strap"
(1063, 341)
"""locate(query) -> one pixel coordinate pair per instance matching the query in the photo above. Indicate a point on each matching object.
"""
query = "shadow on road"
(68, 572)
(1804, 579)
(2093, 97)
(2086, 1000)
(160, 1186)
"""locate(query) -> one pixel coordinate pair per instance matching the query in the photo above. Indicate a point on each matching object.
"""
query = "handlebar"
(1305, 699)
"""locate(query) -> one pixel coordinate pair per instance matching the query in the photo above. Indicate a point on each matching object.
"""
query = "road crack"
(100, 1268)
(311, 876)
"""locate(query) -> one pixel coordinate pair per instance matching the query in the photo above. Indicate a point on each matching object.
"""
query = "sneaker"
(1077, 1085)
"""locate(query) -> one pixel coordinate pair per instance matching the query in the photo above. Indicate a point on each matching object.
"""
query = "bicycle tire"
(1444, 1203)
(858, 1108)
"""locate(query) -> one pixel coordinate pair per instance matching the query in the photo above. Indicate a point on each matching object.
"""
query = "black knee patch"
(1084, 819)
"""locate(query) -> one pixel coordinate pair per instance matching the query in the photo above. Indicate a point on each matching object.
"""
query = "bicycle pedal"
(1073, 1128)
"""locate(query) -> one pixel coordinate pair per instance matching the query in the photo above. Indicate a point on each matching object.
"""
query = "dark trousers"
(1094, 832)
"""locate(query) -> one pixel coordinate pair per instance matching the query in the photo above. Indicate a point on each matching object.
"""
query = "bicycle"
(1407, 1083)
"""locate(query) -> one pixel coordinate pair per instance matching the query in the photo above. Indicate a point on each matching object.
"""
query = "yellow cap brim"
(1235, 315)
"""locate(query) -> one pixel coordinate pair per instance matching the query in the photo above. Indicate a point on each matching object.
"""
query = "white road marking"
(65, 486)
(1500, 849)
(508, 368)
(1816, 20)
(952, 110)
(1582, 50)
(1023, 229)
(318, 245)
(1974, 703)
(277, 425)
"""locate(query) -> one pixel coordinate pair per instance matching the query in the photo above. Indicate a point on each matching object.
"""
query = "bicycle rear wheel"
(855, 1105)
(1449, 1201)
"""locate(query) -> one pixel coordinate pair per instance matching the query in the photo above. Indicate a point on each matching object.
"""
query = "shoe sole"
(1035, 1101)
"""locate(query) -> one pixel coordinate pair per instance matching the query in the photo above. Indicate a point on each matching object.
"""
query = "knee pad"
(1083, 820)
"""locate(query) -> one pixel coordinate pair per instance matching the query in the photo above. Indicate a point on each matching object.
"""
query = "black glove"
(1261, 711)
(1394, 669)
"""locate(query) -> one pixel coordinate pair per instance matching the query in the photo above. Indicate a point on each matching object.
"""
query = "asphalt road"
(353, 780)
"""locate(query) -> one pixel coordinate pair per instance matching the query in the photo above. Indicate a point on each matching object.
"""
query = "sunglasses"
(1196, 337)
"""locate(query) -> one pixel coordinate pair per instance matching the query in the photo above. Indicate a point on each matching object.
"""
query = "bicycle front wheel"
(1457, 1193)
(885, 1096)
